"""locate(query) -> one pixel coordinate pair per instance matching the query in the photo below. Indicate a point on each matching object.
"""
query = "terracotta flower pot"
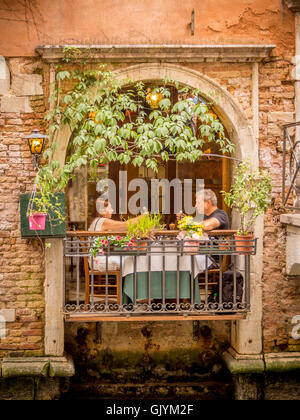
(244, 244)
(37, 221)
(224, 245)
(140, 246)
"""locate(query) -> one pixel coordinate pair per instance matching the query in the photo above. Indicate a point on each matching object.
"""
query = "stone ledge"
(154, 53)
(282, 362)
(270, 362)
(237, 363)
(290, 219)
(37, 366)
(294, 5)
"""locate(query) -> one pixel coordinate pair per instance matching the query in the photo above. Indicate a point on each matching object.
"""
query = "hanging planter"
(37, 221)
(37, 209)
(42, 206)
(43, 223)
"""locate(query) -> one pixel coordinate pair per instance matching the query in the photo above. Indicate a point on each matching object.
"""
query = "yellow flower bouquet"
(192, 233)
(190, 227)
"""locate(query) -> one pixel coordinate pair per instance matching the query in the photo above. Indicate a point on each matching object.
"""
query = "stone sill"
(294, 5)
(36, 366)
(290, 219)
(258, 363)
(156, 53)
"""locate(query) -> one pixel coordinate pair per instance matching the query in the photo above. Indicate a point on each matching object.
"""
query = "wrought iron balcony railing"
(163, 277)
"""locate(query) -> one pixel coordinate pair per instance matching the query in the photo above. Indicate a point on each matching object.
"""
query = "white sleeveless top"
(99, 262)
(96, 225)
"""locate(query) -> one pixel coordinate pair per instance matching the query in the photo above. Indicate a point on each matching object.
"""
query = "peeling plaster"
(156, 22)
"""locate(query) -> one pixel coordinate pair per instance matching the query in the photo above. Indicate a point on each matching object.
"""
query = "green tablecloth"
(156, 286)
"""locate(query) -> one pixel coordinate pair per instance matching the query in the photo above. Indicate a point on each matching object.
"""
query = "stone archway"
(230, 112)
(246, 334)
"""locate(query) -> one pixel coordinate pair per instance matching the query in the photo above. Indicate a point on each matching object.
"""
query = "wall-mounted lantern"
(36, 142)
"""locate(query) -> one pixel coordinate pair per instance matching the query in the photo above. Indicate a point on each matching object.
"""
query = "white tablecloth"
(156, 262)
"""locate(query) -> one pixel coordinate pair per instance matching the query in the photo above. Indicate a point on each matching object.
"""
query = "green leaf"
(62, 75)
(54, 164)
(67, 99)
(165, 103)
(47, 154)
(138, 161)
(100, 145)
(99, 128)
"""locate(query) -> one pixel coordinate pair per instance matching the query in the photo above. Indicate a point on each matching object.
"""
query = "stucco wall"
(38, 22)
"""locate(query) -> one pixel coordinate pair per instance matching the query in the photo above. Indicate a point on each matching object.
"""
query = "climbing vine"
(121, 121)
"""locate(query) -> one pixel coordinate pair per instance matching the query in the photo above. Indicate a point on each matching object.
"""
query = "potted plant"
(143, 229)
(37, 216)
(40, 205)
(250, 195)
(112, 243)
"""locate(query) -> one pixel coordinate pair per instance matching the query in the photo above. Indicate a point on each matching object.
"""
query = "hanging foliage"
(113, 120)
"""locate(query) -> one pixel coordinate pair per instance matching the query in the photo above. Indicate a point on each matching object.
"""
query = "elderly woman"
(105, 224)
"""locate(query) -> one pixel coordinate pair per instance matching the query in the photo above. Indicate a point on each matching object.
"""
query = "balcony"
(159, 279)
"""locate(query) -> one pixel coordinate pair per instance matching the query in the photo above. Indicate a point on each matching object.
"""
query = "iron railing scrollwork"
(164, 276)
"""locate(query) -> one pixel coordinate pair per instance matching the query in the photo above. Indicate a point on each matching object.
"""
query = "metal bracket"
(98, 338)
(35, 160)
(196, 330)
(192, 22)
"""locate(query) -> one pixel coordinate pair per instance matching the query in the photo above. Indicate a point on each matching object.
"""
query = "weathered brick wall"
(21, 260)
(22, 271)
(281, 294)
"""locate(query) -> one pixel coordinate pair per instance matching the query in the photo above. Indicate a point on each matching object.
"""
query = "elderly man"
(214, 218)
(207, 207)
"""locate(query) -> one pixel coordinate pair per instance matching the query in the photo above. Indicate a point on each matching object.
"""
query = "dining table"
(165, 272)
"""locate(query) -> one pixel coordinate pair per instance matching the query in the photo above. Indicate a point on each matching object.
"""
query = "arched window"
(85, 188)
